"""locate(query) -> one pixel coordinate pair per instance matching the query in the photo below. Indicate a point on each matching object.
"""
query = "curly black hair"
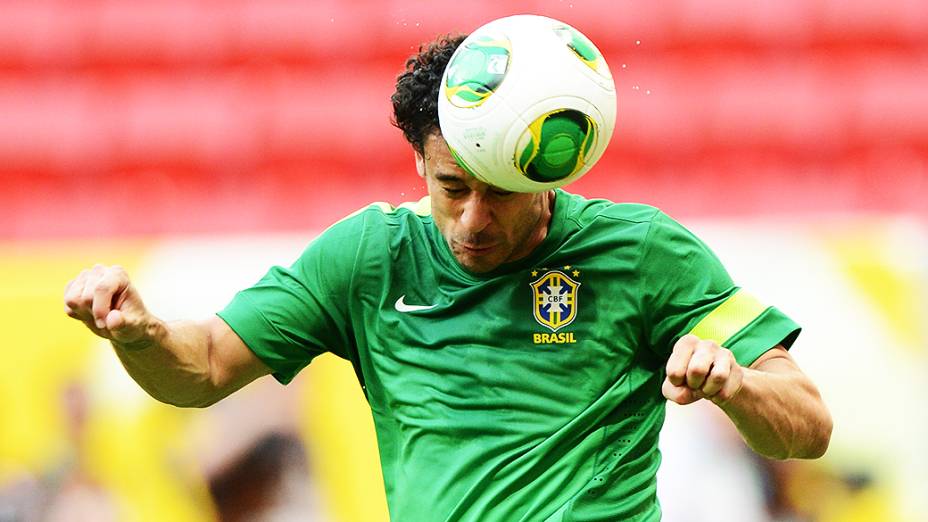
(415, 102)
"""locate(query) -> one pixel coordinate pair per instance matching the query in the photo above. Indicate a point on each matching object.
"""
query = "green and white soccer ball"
(527, 103)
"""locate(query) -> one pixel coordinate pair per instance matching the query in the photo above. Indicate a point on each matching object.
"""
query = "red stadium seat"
(792, 105)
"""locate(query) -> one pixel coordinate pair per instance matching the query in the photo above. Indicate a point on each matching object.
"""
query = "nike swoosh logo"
(403, 307)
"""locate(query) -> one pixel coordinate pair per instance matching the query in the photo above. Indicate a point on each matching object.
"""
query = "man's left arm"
(775, 406)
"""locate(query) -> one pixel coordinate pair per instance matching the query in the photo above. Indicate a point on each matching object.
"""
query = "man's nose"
(477, 213)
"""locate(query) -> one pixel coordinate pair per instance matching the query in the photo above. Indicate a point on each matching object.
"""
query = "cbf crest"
(555, 299)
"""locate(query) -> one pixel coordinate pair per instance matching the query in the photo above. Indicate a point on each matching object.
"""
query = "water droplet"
(637, 42)
(625, 66)
(635, 87)
(331, 19)
(402, 194)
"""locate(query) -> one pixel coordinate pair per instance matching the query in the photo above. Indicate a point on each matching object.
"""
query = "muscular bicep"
(776, 360)
(231, 363)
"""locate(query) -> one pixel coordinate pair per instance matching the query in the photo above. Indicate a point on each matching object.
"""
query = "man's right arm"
(185, 363)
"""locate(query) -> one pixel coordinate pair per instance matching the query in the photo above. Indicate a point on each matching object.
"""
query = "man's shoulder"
(585, 211)
(380, 212)
(384, 217)
(373, 232)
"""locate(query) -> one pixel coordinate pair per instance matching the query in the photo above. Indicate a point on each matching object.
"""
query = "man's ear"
(420, 164)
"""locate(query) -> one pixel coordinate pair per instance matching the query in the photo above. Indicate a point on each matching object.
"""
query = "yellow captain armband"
(729, 318)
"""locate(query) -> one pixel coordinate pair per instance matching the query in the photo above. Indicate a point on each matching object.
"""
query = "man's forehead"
(437, 152)
(432, 141)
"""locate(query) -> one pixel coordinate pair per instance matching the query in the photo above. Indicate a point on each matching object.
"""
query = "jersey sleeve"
(685, 289)
(294, 314)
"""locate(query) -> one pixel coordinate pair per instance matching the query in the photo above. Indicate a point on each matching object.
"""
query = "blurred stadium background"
(197, 142)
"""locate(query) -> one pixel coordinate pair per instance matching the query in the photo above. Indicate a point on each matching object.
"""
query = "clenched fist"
(106, 302)
(701, 369)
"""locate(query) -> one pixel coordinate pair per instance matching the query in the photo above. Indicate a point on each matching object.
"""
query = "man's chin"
(477, 264)
(480, 259)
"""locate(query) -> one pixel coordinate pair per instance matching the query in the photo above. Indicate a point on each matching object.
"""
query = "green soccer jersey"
(530, 393)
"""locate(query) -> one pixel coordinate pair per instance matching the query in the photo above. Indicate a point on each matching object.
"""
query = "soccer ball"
(527, 103)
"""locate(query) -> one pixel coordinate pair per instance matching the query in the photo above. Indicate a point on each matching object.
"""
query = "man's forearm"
(171, 363)
(779, 412)
(182, 363)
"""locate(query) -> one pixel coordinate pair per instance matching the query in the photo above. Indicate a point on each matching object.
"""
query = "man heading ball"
(516, 349)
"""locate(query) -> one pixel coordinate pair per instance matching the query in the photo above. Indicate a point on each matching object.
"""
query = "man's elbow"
(202, 399)
(821, 436)
(807, 440)
(814, 440)
(188, 402)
